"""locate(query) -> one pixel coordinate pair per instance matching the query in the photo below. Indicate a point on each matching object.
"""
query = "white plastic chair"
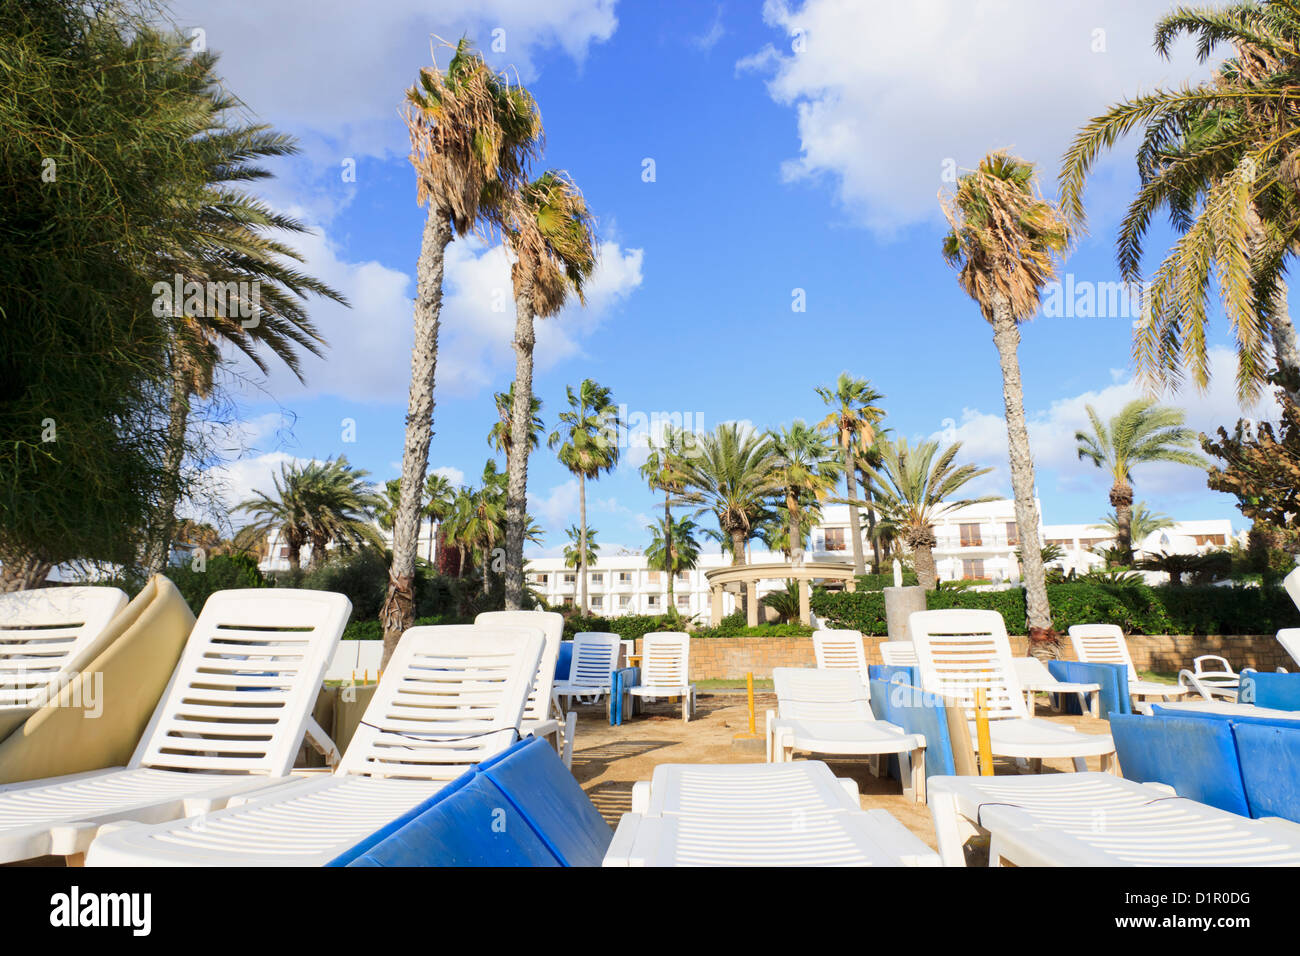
(231, 720)
(1095, 819)
(1105, 644)
(1035, 678)
(898, 653)
(959, 651)
(450, 697)
(47, 636)
(1289, 638)
(591, 668)
(542, 716)
(1218, 684)
(793, 814)
(829, 712)
(666, 668)
(840, 650)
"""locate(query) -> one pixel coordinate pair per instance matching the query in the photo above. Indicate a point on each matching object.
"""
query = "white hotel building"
(974, 543)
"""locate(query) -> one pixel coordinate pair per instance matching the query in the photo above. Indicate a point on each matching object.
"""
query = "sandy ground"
(608, 760)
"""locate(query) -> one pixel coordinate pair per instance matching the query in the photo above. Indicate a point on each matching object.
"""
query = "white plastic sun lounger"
(1105, 644)
(840, 650)
(1095, 819)
(1035, 678)
(450, 697)
(828, 712)
(542, 715)
(898, 653)
(794, 814)
(591, 669)
(960, 650)
(1218, 684)
(47, 636)
(231, 720)
(1289, 638)
(666, 668)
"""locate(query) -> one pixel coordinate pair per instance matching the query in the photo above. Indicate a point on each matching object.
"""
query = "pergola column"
(805, 608)
(715, 604)
(751, 602)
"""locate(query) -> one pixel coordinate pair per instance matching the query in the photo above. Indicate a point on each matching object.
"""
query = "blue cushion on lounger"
(1113, 679)
(1278, 691)
(1270, 768)
(916, 712)
(890, 672)
(1198, 758)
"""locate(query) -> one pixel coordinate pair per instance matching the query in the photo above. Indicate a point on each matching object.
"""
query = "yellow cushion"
(97, 719)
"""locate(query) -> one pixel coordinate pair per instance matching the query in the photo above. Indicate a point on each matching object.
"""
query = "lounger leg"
(1080, 765)
(918, 775)
(1036, 765)
(1110, 763)
(1031, 702)
(951, 829)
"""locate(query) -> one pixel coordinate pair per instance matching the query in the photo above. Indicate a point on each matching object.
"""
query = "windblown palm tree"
(808, 469)
(440, 499)
(499, 436)
(663, 471)
(484, 526)
(915, 487)
(587, 444)
(673, 549)
(575, 554)
(1004, 243)
(231, 248)
(553, 237)
(387, 509)
(1142, 432)
(472, 135)
(1221, 157)
(852, 422)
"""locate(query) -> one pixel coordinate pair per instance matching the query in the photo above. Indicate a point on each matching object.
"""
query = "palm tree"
(553, 237)
(575, 555)
(1142, 432)
(484, 526)
(663, 472)
(499, 436)
(387, 509)
(316, 503)
(440, 497)
(1142, 523)
(852, 422)
(1004, 242)
(587, 444)
(232, 248)
(807, 469)
(472, 135)
(673, 549)
(733, 475)
(1220, 156)
(915, 487)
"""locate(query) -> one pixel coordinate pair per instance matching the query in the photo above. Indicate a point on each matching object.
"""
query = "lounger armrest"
(898, 841)
(850, 787)
(71, 838)
(321, 742)
(1161, 788)
(620, 848)
(641, 797)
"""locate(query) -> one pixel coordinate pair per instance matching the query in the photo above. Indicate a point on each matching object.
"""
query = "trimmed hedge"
(876, 582)
(372, 630)
(1137, 608)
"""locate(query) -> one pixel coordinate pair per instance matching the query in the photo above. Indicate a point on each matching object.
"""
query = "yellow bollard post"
(750, 741)
(982, 733)
(749, 686)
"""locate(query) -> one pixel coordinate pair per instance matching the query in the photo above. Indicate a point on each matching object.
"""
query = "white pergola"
(744, 578)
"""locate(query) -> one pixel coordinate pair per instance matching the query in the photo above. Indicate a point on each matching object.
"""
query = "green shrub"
(627, 626)
(220, 573)
(878, 582)
(371, 630)
(1136, 608)
(763, 630)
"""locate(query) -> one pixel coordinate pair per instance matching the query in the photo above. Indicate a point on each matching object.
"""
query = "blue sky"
(795, 149)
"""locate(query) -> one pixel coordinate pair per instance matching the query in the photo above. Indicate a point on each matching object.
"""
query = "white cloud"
(1051, 436)
(340, 68)
(886, 93)
(453, 474)
(709, 38)
(370, 343)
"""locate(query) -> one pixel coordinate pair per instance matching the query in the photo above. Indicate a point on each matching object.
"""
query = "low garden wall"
(727, 658)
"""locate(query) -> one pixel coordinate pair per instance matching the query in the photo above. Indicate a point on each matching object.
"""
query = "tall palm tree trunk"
(1284, 342)
(668, 548)
(582, 540)
(855, 526)
(521, 420)
(398, 613)
(164, 518)
(23, 572)
(871, 528)
(922, 542)
(1006, 336)
(796, 539)
(1121, 497)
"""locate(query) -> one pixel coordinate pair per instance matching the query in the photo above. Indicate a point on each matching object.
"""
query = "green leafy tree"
(1004, 242)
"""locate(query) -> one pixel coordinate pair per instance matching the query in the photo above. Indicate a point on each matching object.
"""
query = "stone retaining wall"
(725, 658)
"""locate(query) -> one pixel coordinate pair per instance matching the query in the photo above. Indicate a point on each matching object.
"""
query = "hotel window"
(625, 577)
(1013, 535)
(1204, 539)
(568, 601)
(683, 600)
(683, 576)
(652, 577)
(541, 578)
(597, 577)
(970, 536)
(1067, 543)
(570, 578)
(652, 600)
(284, 552)
(597, 602)
(624, 601)
(834, 539)
(972, 569)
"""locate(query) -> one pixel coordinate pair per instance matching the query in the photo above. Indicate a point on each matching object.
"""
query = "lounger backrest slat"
(244, 688)
(665, 659)
(595, 658)
(45, 635)
(451, 697)
(1102, 644)
(803, 693)
(959, 651)
(839, 650)
(552, 627)
(898, 653)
